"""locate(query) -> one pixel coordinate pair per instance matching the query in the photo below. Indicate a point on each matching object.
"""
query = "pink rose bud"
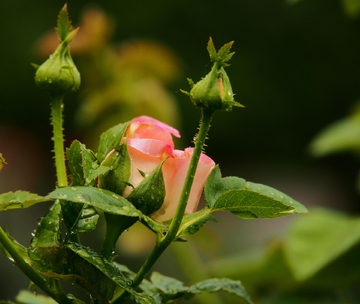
(149, 143)
(174, 170)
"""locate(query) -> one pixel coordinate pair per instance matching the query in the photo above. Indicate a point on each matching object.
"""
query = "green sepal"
(49, 230)
(149, 195)
(19, 199)
(64, 26)
(111, 139)
(117, 178)
(247, 200)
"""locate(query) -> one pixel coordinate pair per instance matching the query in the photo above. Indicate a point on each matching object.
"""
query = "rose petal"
(152, 147)
(175, 170)
(140, 161)
(152, 121)
(141, 130)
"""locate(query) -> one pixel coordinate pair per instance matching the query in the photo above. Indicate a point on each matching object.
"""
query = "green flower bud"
(214, 92)
(59, 74)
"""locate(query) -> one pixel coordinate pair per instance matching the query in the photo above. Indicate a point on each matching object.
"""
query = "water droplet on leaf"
(82, 198)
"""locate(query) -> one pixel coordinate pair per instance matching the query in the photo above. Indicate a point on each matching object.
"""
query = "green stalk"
(163, 243)
(30, 272)
(56, 118)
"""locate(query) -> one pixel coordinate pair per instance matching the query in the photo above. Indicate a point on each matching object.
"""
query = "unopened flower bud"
(59, 73)
(214, 92)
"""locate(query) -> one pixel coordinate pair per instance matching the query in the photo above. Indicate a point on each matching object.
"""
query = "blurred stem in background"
(189, 261)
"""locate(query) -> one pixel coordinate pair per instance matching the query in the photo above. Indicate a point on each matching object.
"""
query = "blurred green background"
(296, 69)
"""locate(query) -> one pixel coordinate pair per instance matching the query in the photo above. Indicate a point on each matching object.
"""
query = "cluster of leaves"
(77, 207)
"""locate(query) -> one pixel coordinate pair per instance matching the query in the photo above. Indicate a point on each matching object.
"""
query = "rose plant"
(135, 175)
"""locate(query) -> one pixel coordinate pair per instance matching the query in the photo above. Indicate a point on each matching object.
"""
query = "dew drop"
(62, 196)
(290, 202)
(40, 220)
(82, 198)
(114, 195)
(33, 233)
(73, 188)
(229, 93)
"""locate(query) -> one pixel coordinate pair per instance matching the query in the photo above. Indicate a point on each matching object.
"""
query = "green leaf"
(19, 199)
(111, 139)
(172, 290)
(27, 297)
(65, 264)
(48, 232)
(316, 240)
(75, 163)
(116, 180)
(84, 267)
(247, 200)
(64, 26)
(212, 285)
(149, 195)
(83, 166)
(84, 170)
(100, 199)
(192, 223)
(215, 185)
(343, 135)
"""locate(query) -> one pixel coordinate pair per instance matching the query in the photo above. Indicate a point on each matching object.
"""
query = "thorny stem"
(56, 118)
(163, 243)
(31, 273)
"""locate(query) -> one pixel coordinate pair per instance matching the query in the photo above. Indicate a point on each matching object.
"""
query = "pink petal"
(140, 161)
(152, 147)
(174, 170)
(152, 121)
(140, 130)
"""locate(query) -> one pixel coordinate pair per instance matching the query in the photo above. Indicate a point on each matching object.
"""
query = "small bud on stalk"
(59, 74)
(214, 92)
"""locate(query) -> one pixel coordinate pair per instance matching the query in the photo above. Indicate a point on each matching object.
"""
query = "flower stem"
(32, 274)
(56, 118)
(163, 243)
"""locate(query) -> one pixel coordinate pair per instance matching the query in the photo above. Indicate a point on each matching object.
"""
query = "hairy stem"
(56, 119)
(163, 243)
